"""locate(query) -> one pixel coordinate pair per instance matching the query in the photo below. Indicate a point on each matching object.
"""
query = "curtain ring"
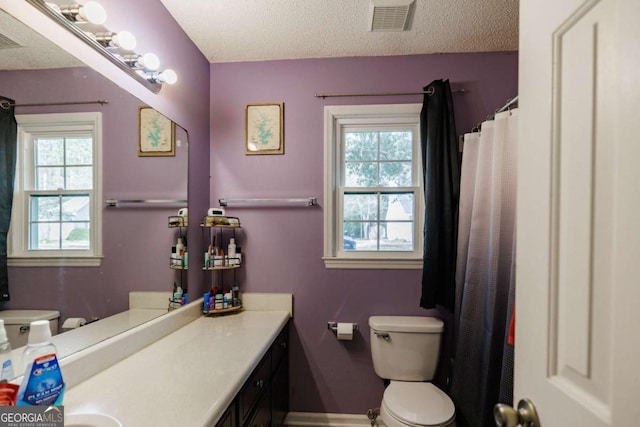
(5, 104)
(430, 91)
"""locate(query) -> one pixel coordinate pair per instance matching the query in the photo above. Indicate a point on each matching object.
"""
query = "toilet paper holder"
(333, 327)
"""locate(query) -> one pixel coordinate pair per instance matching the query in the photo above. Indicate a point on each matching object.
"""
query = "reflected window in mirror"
(56, 217)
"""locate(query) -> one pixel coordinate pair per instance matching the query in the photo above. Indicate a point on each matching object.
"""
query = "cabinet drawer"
(280, 347)
(257, 383)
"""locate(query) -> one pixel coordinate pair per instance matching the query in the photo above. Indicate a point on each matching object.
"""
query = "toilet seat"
(416, 404)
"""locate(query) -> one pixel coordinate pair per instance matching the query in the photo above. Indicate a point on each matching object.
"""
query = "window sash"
(66, 125)
(33, 221)
(379, 219)
(340, 120)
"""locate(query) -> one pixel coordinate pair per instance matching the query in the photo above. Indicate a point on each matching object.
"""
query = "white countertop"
(187, 378)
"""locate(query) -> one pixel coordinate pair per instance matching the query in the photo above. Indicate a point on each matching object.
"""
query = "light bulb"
(125, 40)
(93, 12)
(150, 61)
(168, 76)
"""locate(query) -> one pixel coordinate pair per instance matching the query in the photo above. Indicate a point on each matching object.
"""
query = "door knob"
(525, 416)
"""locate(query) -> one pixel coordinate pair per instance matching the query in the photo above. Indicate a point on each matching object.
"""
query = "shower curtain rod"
(505, 107)
(6, 104)
(429, 91)
(492, 116)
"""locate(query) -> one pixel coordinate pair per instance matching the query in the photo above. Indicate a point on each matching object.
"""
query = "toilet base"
(390, 421)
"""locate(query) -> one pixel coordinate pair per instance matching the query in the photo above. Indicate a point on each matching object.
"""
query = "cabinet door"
(261, 417)
(280, 347)
(255, 386)
(229, 417)
(280, 393)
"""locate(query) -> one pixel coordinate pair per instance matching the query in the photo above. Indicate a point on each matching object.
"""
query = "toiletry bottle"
(177, 294)
(231, 251)
(180, 247)
(42, 383)
(205, 303)
(5, 355)
(235, 295)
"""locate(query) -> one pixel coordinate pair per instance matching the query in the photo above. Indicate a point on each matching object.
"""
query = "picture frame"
(264, 128)
(156, 136)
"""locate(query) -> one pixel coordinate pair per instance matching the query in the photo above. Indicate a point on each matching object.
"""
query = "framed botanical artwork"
(264, 128)
(155, 133)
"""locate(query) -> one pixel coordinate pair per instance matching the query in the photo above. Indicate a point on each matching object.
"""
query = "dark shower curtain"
(441, 167)
(8, 143)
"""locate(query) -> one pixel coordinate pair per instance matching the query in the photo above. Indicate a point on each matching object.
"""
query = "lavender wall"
(130, 263)
(283, 246)
(186, 102)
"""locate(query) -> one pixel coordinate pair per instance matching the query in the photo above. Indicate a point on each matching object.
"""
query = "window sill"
(372, 264)
(95, 261)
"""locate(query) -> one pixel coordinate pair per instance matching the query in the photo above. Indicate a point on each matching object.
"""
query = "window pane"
(395, 145)
(363, 234)
(50, 178)
(75, 208)
(49, 151)
(360, 207)
(397, 207)
(79, 151)
(45, 236)
(79, 178)
(395, 174)
(399, 236)
(360, 146)
(45, 208)
(361, 174)
(348, 242)
(76, 235)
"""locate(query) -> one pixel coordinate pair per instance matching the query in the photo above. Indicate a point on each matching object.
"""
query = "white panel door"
(578, 249)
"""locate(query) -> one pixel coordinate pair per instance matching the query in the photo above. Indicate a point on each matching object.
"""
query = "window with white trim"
(373, 198)
(56, 216)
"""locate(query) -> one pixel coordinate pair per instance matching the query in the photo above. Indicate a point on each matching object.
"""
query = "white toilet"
(17, 323)
(405, 350)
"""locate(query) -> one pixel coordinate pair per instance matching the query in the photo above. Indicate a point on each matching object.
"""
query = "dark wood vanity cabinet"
(263, 400)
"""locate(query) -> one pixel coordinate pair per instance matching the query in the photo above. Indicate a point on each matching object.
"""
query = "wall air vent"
(7, 43)
(390, 15)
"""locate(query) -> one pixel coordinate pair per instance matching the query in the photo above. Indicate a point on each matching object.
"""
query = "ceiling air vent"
(6, 42)
(389, 15)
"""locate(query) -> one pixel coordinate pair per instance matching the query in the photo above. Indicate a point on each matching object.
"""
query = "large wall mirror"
(136, 238)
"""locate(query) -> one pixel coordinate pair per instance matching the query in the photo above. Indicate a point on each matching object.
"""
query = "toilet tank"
(405, 348)
(17, 323)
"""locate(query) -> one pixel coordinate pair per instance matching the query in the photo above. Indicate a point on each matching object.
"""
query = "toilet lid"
(418, 404)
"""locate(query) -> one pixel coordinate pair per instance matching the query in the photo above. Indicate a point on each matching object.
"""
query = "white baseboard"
(312, 419)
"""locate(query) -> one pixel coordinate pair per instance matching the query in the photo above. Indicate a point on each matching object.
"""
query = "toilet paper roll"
(74, 322)
(345, 331)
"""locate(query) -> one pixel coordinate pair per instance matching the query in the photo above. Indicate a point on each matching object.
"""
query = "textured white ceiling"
(253, 30)
(32, 51)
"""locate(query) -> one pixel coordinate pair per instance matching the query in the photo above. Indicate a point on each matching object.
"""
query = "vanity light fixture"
(91, 11)
(167, 76)
(86, 20)
(124, 40)
(148, 61)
